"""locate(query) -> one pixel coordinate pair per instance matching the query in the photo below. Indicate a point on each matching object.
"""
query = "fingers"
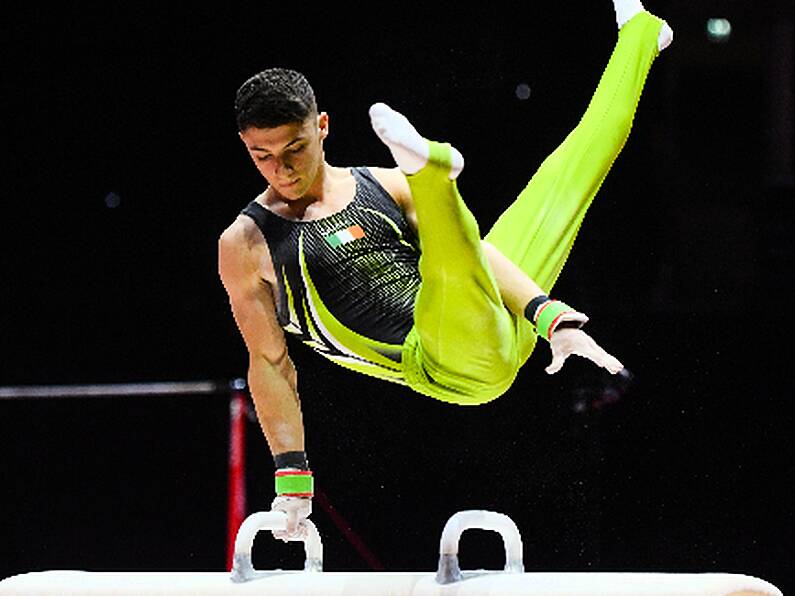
(296, 529)
(297, 534)
(297, 510)
(292, 521)
(556, 364)
(598, 355)
(574, 341)
(562, 347)
(614, 365)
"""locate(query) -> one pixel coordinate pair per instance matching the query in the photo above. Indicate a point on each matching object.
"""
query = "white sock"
(625, 10)
(408, 148)
(665, 38)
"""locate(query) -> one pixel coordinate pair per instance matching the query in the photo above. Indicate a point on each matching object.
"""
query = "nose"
(283, 166)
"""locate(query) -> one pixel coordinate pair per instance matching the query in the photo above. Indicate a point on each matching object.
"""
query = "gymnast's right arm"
(243, 264)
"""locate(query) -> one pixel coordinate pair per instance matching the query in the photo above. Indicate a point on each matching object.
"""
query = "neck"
(321, 186)
(321, 192)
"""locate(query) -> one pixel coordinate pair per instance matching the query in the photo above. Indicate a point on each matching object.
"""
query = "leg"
(538, 230)
(465, 339)
(462, 348)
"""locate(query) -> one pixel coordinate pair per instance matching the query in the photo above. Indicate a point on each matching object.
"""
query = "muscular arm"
(243, 263)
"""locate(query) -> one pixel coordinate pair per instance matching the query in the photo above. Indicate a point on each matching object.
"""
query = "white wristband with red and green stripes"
(294, 483)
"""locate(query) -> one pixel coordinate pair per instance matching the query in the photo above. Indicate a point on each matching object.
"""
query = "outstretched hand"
(568, 341)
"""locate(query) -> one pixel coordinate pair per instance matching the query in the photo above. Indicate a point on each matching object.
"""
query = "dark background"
(683, 266)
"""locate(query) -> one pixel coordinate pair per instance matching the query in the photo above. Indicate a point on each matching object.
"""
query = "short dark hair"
(274, 97)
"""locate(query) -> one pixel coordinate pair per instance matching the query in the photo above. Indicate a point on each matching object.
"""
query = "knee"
(491, 381)
(460, 389)
(484, 392)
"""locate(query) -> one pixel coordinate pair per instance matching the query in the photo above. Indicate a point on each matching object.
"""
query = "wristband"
(294, 483)
(291, 459)
(548, 316)
(532, 307)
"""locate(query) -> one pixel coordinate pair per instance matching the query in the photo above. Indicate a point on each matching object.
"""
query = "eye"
(298, 149)
(262, 157)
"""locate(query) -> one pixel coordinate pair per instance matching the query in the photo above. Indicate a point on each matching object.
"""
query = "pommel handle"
(449, 570)
(242, 567)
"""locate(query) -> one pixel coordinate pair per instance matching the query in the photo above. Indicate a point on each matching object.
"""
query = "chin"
(293, 194)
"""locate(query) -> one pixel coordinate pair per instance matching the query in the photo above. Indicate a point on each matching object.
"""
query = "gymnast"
(384, 270)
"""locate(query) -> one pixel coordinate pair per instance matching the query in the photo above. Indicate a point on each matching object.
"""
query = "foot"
(665, 38)
(408, 148)
(626, 9)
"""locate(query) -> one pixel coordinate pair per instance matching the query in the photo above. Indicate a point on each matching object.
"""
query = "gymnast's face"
(289, 156)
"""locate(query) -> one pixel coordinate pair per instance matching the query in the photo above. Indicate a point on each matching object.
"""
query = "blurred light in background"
(523, 91)
(719, 30)
(112, 200)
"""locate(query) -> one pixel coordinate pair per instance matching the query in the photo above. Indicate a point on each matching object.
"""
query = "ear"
(322, 125)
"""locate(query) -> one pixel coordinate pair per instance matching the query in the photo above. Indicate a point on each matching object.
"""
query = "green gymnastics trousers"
(466, 347)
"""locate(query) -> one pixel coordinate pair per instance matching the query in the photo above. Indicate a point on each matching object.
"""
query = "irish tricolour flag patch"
(344, 236)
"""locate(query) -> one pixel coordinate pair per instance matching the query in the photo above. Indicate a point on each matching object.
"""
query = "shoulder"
(243, 250)
(241, 233)
(394, 182)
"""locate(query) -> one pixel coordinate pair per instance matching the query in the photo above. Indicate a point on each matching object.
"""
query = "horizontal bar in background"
(119, 389)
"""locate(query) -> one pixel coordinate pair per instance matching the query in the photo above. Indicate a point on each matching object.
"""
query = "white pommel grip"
(449, 570)
(242, 567)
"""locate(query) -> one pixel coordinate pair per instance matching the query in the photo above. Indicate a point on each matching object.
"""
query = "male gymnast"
(384, 271)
